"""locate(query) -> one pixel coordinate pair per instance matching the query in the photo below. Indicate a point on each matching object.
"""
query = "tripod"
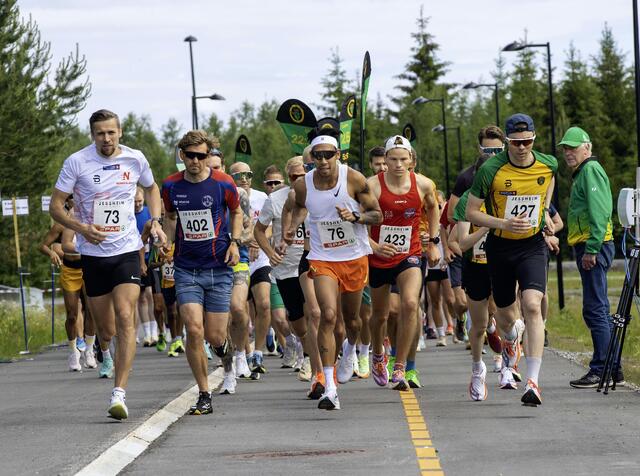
(621, 320)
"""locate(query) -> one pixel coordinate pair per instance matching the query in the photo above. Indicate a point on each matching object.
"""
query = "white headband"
(324, 140)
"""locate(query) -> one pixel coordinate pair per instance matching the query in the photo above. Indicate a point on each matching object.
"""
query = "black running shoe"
(589, 380)
(460, 329)
(203, 405)
(546, 338)
(619, 378)
(431, 334)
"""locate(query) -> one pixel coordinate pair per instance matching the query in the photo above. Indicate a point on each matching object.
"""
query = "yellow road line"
(426, 453)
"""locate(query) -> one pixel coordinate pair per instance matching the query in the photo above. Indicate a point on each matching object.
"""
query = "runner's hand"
(448, 254)
(549, 226)
(553, 243)
(345, 214)
(281, 248)
(93, 235)
(385, 251)
(232, 257)
(424, 239)
(254, 251)
(55, 259)
(143, 268)
(433, 255)
(275, 258)
(519, 224)
(588, 261)
(287, 236)
(159, 237)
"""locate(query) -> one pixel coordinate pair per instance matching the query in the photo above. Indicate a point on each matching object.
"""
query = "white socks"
(146, 326)
(348, 349)
(477, 366)
(330, 384)
(364, 349)
(533, 368)
(440, 331)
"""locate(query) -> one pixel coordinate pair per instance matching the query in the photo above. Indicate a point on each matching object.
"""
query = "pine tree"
(335, 86)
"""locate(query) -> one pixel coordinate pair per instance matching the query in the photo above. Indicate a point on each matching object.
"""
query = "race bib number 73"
(111, 216)
(527, 204)
(197, 225)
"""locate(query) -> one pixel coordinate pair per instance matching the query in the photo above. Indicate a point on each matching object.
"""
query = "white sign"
(22, 207)
(46, 200)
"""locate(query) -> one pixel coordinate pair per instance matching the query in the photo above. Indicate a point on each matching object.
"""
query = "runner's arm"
(154, 202)
(467, 240)
(371, 212)
(298, 211)
(475, 215)
(453, 201)
(169, 227)
(46, 245)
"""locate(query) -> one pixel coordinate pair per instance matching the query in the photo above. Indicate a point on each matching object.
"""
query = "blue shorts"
(211, 288)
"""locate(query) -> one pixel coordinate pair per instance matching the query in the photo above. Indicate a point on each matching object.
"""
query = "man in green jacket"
(591, 235)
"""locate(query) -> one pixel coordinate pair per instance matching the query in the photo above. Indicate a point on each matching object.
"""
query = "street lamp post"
(517, 46)
(473, 85)
(423, 100)
(441, 128)
(213, 97)
(194, 112)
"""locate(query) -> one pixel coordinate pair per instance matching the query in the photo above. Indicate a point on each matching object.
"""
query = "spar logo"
(296, 113)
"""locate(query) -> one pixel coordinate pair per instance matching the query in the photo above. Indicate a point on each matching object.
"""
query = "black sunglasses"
(195, 155)
(323, 154)
(272, 183)
(491, 150)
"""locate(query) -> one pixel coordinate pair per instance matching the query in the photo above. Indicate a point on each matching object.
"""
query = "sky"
(278, 49)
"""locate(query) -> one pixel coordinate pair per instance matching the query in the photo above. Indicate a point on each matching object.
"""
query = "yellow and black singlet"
(509, 190)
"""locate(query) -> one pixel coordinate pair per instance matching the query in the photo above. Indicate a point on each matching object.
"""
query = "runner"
(396, 257)
(516, 187)
(197, 202)
(103, 178)
(332, 194)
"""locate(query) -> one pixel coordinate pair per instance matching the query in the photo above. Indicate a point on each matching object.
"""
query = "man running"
(333, 194)
(516, 187)
(197, 202)
(103, 178)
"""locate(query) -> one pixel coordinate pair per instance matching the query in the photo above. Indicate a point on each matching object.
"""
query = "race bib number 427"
(529, 205)
(197, 225)
(111, 216)
(336, 234)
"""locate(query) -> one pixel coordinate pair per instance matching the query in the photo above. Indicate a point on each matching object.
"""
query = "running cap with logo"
(519, 123)
(216, 151)
(575, 137)
(322, 139)
(397, 142)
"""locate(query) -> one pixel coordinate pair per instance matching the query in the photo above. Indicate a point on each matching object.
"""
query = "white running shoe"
(478, 386)
(441, 342)
(290, 357)
(329, 401)
(242, 367)
(90, 358)
(346, 367)
(228, 384)
(305, 370)
(74, 361)
(497, 363)
(422, 344)
(507, 381)
(299, 363)
(117, 407)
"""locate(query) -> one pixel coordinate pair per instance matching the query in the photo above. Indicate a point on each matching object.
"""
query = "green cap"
(574, 137)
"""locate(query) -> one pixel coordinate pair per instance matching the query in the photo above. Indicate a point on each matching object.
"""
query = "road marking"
(125, 451)
(426, 453)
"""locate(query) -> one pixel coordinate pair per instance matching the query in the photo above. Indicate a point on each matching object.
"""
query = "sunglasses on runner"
(309, 167)
(242, 176)
(323, 154)
(491, 150)
(195, 155)
(518, 142)
(272, 183)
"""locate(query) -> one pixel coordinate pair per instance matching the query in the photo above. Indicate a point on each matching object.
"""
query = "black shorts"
(260, 275)
(292, 297)
(516, 261)
(476, 280)
(103, 273)
(152, 280)
(169, 295)
(380, 276)
(436, 275)
(303, 267)
(454, 270)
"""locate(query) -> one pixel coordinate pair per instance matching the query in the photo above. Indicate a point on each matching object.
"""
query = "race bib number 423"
(111, 216)
(336, 234)
(527, 204)
(197, 225)
(398, 236)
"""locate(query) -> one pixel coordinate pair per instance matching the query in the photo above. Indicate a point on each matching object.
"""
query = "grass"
(567, 330)
(38, 330)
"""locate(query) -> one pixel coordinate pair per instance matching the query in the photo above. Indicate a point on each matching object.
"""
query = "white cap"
(397, 142)
(324, 140)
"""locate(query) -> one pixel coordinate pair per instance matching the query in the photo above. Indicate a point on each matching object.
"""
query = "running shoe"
(289, 358)
(412, 378)
(203, 405)
(589, 380)
(117, 406)
(520, 327)
(398, 381)
(431, 334)
(299, 362)
(329, 401)
(363, 367)
(391, 361)
(173, 349)
(461, 330)
(497, 363)
(442, 341)
(242, 368)
(271, 340)
(207, 350)
(96, 347)
(228, 384)
(317, 387)
(106, 368)
(478, 385)
(161, 344)
(305, 371)
(387, 346)
(258, 364)
(81, 344)
(74, 361)
(449, 331)
(422, 344)
(493, 339)
(511, 352)
(89, 359)
(507, 381)
(345, 367)
(180, 346)
(531, 397)
(147, 342)
(379, 369)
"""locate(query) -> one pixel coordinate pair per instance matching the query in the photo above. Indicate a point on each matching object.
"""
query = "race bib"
(479, 253)
(197, 225)
(111, 216)
(398, 236)
(167, 272)
(336, 234)
(527, 204)
(298, 238)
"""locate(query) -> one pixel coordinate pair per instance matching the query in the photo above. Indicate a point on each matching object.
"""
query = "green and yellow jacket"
(590, 207)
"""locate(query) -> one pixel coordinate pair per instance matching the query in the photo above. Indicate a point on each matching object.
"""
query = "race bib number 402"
(197, 225)
(336, 234)
(398, 236)
(527, 204)
(111, 216)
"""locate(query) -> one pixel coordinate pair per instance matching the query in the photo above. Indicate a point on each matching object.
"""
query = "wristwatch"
(158, 219)
(435, 240)
(356, 215)
(236, 241)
